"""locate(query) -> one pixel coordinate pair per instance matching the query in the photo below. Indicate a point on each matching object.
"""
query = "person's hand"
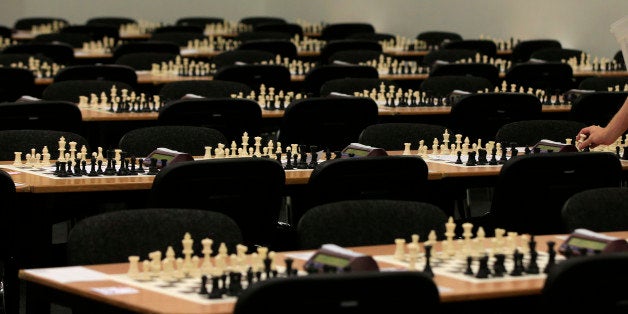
(590, 136)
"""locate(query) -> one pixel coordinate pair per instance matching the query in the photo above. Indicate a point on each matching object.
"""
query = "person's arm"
(596, 135)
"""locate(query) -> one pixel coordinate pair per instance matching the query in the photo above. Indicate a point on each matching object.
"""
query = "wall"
(580, 24)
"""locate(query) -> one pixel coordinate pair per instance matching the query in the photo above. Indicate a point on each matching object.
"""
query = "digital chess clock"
(340, 259)
(361, 150)
(169, 155)
(589, 242)
(547, 146)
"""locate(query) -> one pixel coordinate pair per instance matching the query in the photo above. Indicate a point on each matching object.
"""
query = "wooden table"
(452, 289)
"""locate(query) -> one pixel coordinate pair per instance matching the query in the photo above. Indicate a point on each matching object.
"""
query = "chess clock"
(361, 150)
(331, 256)
(169, 155)
(547, 145)
(593, 242)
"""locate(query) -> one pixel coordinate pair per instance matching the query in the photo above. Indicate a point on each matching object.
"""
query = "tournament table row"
(146, 77)
(453, 291)
(29, 182)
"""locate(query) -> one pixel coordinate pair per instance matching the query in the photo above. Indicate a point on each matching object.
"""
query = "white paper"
(68, 274)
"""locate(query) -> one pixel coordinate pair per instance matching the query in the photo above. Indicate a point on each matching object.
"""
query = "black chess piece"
(625, 153)
(203, 289)
(93, 172)
(518, 267)
(469, 270)
(493, 160)
(140, 166)
(152, 169)
(482, 160)
(471, 159)
(459, 159)
(499, 267)
(235, 283)
(216, 292)
(551, 252)
(288, 262)
(533, 267)
(428, 267)
(483, 270)
(100, 171)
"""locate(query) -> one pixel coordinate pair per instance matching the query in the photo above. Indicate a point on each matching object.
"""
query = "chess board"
(455, 267)
(187, 288)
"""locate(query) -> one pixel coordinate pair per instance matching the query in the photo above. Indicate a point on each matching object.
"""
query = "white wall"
(580, 24)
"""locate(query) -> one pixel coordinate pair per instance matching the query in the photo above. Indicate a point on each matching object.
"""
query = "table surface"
(29, 182)
(452, 289)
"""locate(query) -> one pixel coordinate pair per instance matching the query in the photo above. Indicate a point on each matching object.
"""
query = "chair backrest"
(336, 45)
(443, 85)
(517, 205)
(27, 23)
(23, 140)
(40, 114)
(237, 56)
(485, 70)
(316, 77)
(334, 31)
(210, 89)
(72, 90)
(447, 56)
(552, 77)
(529, 132)
(103, 72)
(201, 21)
(293, 29)
(181, 39)
(146, 46)
(480, 115)
(183, 138)
(249, 190)
(393, 135)
(597, 107)
(350, 85)
(599, 209)
(231, 116)
(434, 39)
(522, 50)
(15, 83)
(144, 61)
(596, 282)
(115, 21)
(398, 177)
(283, 48)
(113, 236)
(351, 292)
(368, 222)
(5, 31)
(604, 84)
(253, 21)
(94, 31)
(327, 122)
(485, 47)
(254, 75)
(76, 40)
(61, 53)
(557, 54)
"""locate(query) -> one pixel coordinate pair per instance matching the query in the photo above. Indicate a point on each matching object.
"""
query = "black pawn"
(459, 159)
(518, 260)
(203, 289)
(469, 271)
(493, 160)
(499, 267)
